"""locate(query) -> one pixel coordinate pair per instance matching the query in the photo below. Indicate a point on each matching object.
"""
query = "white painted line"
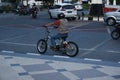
(100, 44)
(28, 25)
(86, 49)
(18, 44)
(61, 56)
(79, 26)
(7, 51)
(94, 48)
(97, 29)
(108, 30)
(114, 51)
(33, 54)
(70, 75)
(42, 72)
(15, 37)
(92, 59)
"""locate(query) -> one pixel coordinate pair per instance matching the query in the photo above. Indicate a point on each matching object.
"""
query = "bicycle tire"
(42, 46)
(71, 49)
(115, 35)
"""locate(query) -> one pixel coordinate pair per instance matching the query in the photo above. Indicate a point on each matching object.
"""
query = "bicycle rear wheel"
(42, 46)
(115, 34)
(71, 49)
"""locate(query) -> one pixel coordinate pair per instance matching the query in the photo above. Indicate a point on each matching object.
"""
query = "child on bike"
(62, 27)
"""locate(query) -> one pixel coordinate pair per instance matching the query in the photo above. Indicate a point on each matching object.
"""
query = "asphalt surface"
(21, 33)
(98, 58)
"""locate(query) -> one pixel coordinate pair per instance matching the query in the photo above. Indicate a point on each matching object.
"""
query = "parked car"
(67, 9)
(111, 18)
(78, 6)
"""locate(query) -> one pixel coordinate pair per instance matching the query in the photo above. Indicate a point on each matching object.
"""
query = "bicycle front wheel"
(42, 46)
(71, 49)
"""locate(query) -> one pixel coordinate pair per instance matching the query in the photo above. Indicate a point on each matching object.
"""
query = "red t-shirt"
(57, 22)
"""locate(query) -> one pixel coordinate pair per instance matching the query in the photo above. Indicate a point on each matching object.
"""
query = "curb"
(91, 18)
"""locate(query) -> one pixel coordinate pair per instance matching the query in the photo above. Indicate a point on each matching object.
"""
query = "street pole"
(108, 2)
(27, 2)
(114, 2)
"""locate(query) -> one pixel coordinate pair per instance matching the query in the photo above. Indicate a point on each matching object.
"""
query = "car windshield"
(55, 7)
(68, 7)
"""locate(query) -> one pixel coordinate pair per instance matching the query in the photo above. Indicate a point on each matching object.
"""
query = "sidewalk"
(18, 66)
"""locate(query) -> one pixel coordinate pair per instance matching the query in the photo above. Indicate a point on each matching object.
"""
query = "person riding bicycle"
(62, 27)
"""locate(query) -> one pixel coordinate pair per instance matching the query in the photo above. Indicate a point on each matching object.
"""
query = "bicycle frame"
(48, 36)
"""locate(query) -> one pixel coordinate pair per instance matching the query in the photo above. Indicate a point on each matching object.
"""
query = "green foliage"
(117, 2)
(74, 1)
(86, 6)
(43, 7)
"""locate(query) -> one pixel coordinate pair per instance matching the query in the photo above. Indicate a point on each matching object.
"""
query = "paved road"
(21, 33)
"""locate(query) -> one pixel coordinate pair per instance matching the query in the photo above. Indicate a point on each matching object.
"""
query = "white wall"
(84, 0)
(60, 1)
(32, 1)
(96, 2)
(67, 0)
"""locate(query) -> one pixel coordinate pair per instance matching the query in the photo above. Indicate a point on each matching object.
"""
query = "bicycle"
(69, 48)
(115, 34)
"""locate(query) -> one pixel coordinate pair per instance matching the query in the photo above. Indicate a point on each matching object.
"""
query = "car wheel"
(111, 22)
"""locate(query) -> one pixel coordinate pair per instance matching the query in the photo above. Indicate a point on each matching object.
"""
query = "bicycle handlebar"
(46, 27)
(47, 30)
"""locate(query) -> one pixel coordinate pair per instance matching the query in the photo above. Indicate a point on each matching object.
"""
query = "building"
(25, 2)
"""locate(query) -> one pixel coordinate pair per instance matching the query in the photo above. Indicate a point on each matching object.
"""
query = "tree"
(117, 1)
(8, 0)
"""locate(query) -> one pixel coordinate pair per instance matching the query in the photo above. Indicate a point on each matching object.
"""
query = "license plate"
(69, 11)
